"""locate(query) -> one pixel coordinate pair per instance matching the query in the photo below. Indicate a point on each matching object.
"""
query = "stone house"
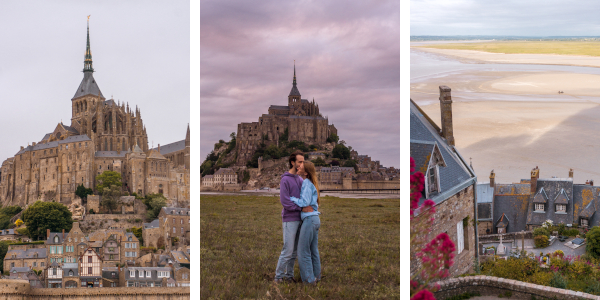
(54, 276)
(111, 251)
(528, 204)
(8, 235)
(151, 233)
(57, 252)
(90, 266)
(180, 258)
(35, 258)
(315, 155)
(449, 182)
(128, 243)
(70, 275)
(110, 277)
(181, 275)
(174, 222)
(145, 276)
(74, 244)
(28, 275)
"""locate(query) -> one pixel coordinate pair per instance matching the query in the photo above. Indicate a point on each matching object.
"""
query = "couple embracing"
(301, 222)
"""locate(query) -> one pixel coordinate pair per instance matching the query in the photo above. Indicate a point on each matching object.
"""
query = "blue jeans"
(285, 265)
(308, 249)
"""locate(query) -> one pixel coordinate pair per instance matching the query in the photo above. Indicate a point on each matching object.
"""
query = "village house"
(449, 182)
(54, 276)
(70, 275)
(34, 258)
(110, 276)
(145, 276)
(90, 266)
(26, 274)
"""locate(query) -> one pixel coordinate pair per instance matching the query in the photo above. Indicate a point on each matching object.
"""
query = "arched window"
(123, 147)
(56, 239)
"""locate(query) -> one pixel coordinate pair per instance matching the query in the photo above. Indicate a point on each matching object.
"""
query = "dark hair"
(293, 157)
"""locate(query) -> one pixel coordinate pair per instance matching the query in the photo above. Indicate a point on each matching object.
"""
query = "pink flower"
(423, 295)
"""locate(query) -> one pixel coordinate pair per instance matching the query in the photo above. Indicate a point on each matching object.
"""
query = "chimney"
(535, 174)
(492, 179)
(446, 109)
(571, 173)
(158, 148)
(47, 233)
(63, 234)
(592, 182)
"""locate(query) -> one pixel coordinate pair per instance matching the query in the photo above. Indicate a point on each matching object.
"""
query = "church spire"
(87, 63)
(294, 72)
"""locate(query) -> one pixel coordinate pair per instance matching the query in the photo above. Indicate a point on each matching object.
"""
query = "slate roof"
(585, 204)
(540, 197)
(153, 224)
(294, 91)
(29, 253)
(279, 107)
(109, 102)
(154, 154)
(71, 139)
(512, 200)
(69, 128)
(456, 175)
(502, 222)
(61, 238)
(20, 269)
(88, 86)
(172, 147)
(176, 211)
(307, 117)
(153, 270)
(180, 257)
(7, 232)
(561, 198)
(553, 187)
(421, 152)
(303, 101)
(111, 153)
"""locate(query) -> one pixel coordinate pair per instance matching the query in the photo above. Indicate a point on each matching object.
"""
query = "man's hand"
(308, 209)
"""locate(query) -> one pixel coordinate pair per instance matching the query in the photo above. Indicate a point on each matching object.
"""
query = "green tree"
(351, 164)
(47, 215)
(284, 136)
(154, 202)
(232, 136)
(111, 197)
(108, 179)
(319, 162)
(593, 242)
(82, 192)
(3, 250)
(333, 138)
(335, 163)
(137, 231)
(206, 167)
(340, 151)
(273, 151)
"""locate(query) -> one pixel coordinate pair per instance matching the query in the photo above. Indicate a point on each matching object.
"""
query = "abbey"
(300, 117)
(103, 135)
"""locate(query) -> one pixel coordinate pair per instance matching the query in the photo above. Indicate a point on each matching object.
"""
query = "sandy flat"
(539, 59)
(514, 137)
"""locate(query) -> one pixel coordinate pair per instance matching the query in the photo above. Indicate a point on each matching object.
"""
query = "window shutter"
(460, 236)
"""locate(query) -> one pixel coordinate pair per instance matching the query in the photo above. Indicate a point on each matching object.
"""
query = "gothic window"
(105, 145)
(111, 145)
(123, 146)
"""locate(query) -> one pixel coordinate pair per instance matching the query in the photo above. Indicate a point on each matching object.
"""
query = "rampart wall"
(494, 286)
(20, 290)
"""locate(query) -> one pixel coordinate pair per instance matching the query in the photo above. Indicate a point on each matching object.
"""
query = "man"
(290, 185)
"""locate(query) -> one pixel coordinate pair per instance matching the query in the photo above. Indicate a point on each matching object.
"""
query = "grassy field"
(530, 47)
(241, 238)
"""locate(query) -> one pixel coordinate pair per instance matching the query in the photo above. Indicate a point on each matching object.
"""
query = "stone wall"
(376, 184)
(20, 289)
(151, 236)
(96, 217)
(93, 202)
(494, 286)
(448, 213)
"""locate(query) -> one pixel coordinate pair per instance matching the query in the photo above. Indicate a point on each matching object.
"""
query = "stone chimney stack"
(571, 173)
(63, 234)
(47, 233)
(446, 109)
(535, 174)
(492, 179)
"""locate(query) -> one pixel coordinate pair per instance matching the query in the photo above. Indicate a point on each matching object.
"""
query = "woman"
(308, 240)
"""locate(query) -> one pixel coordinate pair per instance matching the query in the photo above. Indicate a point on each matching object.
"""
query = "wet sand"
(539, 59)
(513, 121)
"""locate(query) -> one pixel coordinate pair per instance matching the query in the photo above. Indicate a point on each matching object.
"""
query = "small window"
(539, 207)
(89, 259)
(561, 208)
(89, 270)
(584, 222)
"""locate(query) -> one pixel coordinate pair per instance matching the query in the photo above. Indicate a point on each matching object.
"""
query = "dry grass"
(529, 47)
(241, 238)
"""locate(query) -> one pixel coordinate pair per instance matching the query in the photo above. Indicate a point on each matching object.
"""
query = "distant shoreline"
(275, 193)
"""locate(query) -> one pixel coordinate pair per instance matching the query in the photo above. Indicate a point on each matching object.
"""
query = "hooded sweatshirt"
(290, 185)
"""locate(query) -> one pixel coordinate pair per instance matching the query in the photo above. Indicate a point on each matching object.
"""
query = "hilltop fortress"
(103, 135)
(300, 117)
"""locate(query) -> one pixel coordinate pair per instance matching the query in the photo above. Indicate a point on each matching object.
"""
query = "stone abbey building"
(103, 135)
(301, 117)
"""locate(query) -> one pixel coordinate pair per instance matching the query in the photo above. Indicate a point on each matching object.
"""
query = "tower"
(294, 96)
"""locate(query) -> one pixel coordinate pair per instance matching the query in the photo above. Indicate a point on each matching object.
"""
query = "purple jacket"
(290, 185)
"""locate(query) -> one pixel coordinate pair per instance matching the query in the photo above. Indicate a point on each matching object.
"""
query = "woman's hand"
(308, 209)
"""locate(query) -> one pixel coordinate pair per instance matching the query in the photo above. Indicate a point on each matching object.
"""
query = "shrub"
(513, 268)
(579, 268)
(593, 288)
(558, 253)
(93, 223)
(91, 211)
(138, 220)
(593, 242)
(19, 222)
(558, 281)
(464, 296)
(541, 231)
(116, 220)
(571, 232)
(541, 278)
(541, 241)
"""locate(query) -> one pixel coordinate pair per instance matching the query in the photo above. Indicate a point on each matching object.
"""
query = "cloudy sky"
(140, 51)
(347, 57)
(511, 17)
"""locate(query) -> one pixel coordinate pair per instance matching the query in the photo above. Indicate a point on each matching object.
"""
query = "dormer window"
(71, 273)
(432, 180)
(584, 222)
(56, 239)
(561, 208)
(539, 207)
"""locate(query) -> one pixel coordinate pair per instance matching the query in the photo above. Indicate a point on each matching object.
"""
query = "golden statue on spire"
(89, 17)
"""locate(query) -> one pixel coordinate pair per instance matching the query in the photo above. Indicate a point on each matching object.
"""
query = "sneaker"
(278, 280)
(290, 280)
